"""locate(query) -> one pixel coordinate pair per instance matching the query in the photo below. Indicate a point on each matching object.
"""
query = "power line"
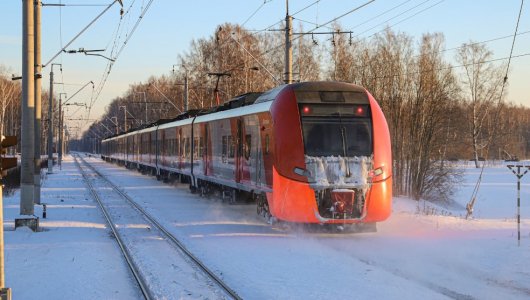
(485, 42)
(407, 18)
(392, 18)
(115, 57)
(255, 12)
(267, 28)
(449, 67)
(315, 28)
(281, 20)
(511, 50)
(381, 14)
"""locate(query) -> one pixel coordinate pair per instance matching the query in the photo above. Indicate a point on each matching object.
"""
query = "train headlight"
(302, 172)
(376, 172)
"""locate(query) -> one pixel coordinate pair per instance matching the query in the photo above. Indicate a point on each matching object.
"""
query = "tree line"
(438, 111)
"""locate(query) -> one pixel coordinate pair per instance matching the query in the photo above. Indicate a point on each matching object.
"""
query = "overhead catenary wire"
(80, 33)
(381, 14)
(315, 28)
(119, 51)
(469, 44)
(77, 4)
(398, 15)
(449, 67)
(255, 12)
(511, 50)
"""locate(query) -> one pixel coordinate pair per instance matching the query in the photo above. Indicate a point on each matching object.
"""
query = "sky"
(168, 27)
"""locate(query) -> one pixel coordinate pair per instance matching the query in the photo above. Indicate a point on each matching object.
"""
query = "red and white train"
(311, 152)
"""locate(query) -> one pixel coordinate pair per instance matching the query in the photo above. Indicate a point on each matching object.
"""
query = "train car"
(311, 152)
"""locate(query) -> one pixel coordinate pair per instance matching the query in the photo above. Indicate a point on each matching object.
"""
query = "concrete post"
(38, 102)
(60, 143)
(50, 124)
(28, 106)
(288, 46)
(186, 92)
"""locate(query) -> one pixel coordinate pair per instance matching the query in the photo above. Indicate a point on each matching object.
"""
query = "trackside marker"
(519, 174)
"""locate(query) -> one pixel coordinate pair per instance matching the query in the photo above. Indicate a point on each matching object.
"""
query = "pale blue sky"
(169, 26)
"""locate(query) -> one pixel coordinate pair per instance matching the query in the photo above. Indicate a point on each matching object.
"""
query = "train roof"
(249, 103)
(326, 86)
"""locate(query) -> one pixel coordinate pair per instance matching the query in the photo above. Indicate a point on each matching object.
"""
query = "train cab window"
(329, 136)
(248, 144)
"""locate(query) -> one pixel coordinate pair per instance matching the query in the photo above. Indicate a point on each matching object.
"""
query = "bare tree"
(481, 85)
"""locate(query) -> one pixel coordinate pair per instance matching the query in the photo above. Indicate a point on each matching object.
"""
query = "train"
(308, 152)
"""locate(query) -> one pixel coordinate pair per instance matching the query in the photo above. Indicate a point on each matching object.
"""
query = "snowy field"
(413, 255)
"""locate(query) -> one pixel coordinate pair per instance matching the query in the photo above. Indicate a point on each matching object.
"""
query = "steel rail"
(170, 236)
(128, 257)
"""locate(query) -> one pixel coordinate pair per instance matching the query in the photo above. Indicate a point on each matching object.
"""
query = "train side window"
(224, 149)
(232, 147)
(267, 144)
(188, 147)
(196, 147)
(184, 150)
(248, 144)
(202, 147)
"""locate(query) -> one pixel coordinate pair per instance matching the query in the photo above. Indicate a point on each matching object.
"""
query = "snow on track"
(162, 267)
(74, 257)
(411, 256)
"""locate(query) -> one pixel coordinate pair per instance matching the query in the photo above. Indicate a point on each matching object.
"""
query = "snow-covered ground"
(413, 255)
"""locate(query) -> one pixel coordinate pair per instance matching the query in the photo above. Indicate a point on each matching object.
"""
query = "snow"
(328, 171)
(424, 251)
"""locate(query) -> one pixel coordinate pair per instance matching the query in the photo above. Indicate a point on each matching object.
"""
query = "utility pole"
(108, 129)
(145, 101)
(185, 104)
(216, 90)
(125, 117)
(28, 105)
(60, 129)
(61, 137)
(288, 46)
(38, 101)
(186, 92)
(115, 123)
(50, 122)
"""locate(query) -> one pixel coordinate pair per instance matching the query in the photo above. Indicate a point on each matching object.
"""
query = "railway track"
(142, 282)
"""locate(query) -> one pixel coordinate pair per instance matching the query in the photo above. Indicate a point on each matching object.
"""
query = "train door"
(180, 151)
(205, 146)
(239, 151)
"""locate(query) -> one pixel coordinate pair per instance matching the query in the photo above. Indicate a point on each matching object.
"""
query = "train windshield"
(337, 133)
